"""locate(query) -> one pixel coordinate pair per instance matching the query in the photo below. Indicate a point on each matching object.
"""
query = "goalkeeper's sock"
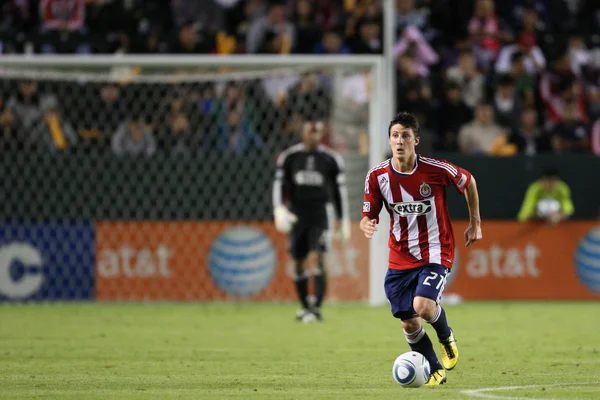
(302, 290)
(320, 281)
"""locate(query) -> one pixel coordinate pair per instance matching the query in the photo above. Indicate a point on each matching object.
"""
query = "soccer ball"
(411, 369)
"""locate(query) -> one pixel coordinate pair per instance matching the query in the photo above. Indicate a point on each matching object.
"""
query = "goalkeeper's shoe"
(437, 377)
(300, 313)
(317, 313)
(449, 352)
(305, 315)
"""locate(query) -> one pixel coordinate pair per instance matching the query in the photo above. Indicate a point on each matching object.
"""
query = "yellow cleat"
(449, 352)
(437, 378)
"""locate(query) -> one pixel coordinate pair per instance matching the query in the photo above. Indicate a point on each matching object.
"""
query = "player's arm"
(527, 210)
(473, 232)
(372, 204)
(566, 203)
(340, 199)
(284, 219)
(465, 183)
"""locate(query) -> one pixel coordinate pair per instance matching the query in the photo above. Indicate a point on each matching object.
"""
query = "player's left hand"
(345, 231)
(473, 233)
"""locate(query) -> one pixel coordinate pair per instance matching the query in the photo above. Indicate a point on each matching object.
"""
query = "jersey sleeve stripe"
(434, 161)
(447, 164)
(447, 167)
(380, 166)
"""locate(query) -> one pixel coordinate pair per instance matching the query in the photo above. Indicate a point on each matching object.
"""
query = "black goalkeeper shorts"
(307, 236)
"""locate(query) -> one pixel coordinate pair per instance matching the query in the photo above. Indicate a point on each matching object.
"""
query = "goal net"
(150, 178)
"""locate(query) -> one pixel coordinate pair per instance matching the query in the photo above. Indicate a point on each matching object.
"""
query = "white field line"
(483, 393)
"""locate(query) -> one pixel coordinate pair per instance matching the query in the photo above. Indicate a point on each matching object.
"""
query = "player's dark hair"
(407, 120)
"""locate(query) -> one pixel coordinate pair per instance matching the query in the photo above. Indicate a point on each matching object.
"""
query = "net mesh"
(155, 183)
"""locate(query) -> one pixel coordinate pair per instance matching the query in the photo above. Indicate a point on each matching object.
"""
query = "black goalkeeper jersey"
(307, 181)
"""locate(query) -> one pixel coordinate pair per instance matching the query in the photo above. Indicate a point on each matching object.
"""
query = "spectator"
(15, 19)
(308, 29)
(579, 55)
(240, 17)
(559, 86)
(413, 41)
(470, 80)
(62, 15)
(276, 25)
(528, 137)
(508, 106)
(414, 89)
(206, 12)
(25, 105)
(483, 135)
(488, 32)
(63, 26)
(234, 98)
(571, 134)
(179, 137)
(98, 126)
(533, 58)
(547, 199)
(450, 55)
(524, 81)
(523, 14)
(150, 43)
(332, 43)
(133, 138)
(53, 132)
(532, 29)
(407, 15)
(193, 38)
(452, 114)
(238, 138)
(308, 98)
(368, 40)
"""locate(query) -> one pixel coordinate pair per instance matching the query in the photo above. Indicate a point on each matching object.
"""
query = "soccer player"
(412, 188)
(309, 177)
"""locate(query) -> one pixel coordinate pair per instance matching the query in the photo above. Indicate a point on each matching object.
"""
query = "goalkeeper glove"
(284, 219)
(345, 230)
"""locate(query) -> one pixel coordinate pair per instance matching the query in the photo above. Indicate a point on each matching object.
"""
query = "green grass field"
(258, 351)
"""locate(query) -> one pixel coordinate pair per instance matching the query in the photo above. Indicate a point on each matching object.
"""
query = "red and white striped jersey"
(420, 226)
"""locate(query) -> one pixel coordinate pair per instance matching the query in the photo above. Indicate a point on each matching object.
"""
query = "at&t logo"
(242, 261)
(32, 278)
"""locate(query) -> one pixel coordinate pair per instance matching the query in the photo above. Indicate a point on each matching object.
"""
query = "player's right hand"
(284, 219)
(368, 226)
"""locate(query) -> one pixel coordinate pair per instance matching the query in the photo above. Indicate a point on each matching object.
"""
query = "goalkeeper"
(308, 179)
(547, 199)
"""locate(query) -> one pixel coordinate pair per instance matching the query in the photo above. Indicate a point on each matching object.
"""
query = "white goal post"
(98, 68)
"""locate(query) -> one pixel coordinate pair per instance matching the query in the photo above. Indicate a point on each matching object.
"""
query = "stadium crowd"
(485, 77)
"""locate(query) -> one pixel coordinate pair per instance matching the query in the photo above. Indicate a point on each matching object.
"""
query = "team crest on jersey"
(425, 190)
